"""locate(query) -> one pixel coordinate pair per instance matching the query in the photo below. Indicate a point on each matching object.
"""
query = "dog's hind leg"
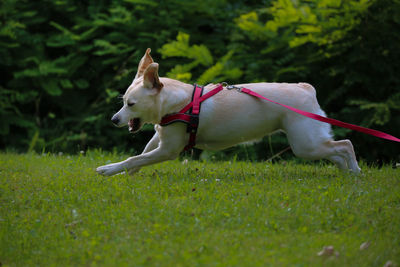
(339, 152)
(342, 151)
(339, 161)
(312, 140)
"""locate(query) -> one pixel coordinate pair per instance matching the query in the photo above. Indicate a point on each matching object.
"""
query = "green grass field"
(56, 211)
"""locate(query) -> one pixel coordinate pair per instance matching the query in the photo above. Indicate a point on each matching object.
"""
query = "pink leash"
(321, 118)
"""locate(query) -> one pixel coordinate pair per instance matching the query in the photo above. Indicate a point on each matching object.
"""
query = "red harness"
(192, 117)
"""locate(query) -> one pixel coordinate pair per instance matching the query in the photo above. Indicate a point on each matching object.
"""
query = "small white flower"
(74, 213)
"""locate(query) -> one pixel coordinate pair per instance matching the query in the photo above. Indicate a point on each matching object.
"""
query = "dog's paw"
(109, 169)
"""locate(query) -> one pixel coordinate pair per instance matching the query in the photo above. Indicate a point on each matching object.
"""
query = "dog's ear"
(151, 79)
(144, 63)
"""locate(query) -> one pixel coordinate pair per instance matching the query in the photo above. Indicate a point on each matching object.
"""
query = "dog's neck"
(173, 97)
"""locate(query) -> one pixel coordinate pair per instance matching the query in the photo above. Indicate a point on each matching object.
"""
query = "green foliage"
(200, 55)
(180, 48)
(64, 63)
(55, 210)
(320, 22)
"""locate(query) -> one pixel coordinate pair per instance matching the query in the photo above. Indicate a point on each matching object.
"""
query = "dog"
(226, 119)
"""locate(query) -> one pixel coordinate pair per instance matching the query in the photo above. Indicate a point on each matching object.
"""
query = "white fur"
(226, 119)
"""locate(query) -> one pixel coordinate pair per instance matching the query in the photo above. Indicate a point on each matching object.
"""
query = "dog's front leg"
(155, 156)
(171, 143)
(151, 145)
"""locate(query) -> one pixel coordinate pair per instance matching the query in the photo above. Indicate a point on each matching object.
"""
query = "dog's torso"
(230, 117)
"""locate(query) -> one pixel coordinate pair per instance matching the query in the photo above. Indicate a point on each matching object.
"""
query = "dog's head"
(141, 98)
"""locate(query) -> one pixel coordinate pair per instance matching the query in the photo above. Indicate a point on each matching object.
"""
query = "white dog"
(226, 119)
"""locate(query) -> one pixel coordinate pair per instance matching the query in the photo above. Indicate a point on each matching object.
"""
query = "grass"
(56, 211)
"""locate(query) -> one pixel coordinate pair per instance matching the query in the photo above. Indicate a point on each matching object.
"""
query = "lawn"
(56, 211)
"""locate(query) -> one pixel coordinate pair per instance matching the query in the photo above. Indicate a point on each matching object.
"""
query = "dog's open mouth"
(134, 125)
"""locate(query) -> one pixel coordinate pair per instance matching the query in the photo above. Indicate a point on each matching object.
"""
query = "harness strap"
(202, 98)
(198, 91)
(181, 117)
(193, 122)
(192, 117)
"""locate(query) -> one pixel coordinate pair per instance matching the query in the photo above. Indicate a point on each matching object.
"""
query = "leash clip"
(231, 87)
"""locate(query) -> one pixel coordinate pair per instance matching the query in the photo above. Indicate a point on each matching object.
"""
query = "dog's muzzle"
(115, 119)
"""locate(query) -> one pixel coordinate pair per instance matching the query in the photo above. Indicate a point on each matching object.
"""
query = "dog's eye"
(131, 104)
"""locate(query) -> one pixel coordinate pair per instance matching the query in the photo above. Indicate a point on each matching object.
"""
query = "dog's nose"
(115, 119)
